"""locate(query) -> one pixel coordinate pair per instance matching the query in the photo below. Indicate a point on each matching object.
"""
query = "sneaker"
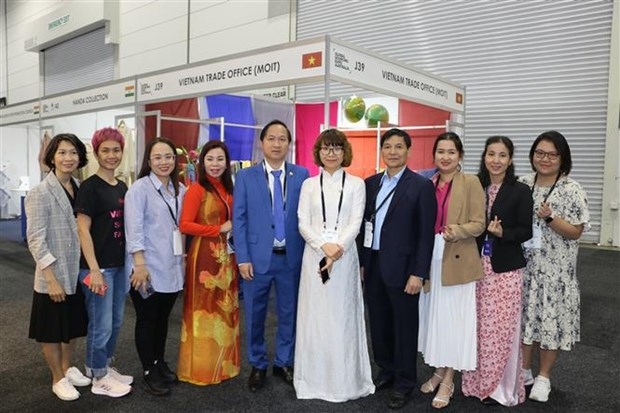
(65, 390)
(76, 377)
(540, 389)
(528, 379)
(108, 386)
(121, 378)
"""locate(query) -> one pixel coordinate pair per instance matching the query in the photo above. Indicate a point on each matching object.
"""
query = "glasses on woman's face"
(540, 154)
(157, 159)
(336, 150)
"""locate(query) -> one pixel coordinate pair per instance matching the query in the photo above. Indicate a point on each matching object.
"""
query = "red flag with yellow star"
(310, 60)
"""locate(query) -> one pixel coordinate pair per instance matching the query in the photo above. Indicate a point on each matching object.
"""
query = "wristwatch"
(549, 218)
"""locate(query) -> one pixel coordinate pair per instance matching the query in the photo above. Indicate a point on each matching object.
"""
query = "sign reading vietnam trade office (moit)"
(100, 98)
(260, 70)
(352, 66)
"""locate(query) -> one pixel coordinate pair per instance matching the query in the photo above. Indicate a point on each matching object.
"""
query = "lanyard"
(557, 178)
(443, 204)
(176, 205)
(224, 201)
(274, 187)
(339, 202)
(374, 214)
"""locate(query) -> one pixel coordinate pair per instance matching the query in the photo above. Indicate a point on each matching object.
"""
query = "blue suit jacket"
(253, 226)
(408, 233)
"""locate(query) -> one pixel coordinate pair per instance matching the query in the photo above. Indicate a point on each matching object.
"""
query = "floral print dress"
(551, 302)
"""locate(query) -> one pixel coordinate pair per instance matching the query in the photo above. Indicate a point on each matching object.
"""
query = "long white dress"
(331, 351)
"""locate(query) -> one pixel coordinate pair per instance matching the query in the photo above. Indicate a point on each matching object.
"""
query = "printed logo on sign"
(459, 98)
(145, 89)
(130, 91)
(312, 60)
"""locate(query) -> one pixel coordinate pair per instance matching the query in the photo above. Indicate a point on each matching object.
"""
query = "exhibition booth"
(230, 99)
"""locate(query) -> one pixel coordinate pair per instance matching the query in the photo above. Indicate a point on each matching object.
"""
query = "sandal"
(428, 386)
(439, 402)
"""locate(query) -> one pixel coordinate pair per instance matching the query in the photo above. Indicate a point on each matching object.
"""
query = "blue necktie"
(278, 205)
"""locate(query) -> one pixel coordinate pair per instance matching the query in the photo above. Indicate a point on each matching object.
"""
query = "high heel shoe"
(439, 402)
(428, 387)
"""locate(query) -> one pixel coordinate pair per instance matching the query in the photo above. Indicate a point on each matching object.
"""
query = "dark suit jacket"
(513, 206)
(253, 226)
(407, 234)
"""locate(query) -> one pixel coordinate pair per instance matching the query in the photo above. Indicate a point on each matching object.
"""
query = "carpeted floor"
(585, 379)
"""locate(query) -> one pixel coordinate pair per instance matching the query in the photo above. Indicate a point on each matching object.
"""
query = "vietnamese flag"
(310, 60)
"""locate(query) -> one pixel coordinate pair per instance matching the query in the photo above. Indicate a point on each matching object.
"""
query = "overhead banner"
(25, 112)
(351, 66)
(251, 72)
(91, 100)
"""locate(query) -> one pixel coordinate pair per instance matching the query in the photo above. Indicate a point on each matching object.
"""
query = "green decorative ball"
(354, 108)
(377, 113)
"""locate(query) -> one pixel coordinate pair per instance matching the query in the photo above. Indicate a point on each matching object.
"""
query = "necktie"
(278, 205)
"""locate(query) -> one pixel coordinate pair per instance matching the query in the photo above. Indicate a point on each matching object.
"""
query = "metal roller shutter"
(527, 66)
(79, 62)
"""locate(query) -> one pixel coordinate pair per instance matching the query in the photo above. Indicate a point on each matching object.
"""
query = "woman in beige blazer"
(448, 305)
(58, 313)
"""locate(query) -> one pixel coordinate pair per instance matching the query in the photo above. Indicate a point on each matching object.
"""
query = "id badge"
(368, 234)
(536, 241)
(487, 247)
(329, 235)
(229, 244)
(177, 242)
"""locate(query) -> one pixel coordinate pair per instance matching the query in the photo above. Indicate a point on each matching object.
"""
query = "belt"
(279, 251)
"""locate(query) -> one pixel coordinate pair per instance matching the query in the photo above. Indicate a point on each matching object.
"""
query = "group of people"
(474, 272)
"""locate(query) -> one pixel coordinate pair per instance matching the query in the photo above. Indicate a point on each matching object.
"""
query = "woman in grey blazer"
(58, 313)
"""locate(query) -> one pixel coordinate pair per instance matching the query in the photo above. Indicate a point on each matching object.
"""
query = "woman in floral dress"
(209, 349)
(497, 378)
(551, 290)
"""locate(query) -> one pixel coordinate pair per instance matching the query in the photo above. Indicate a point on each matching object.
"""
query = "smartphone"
(101, 291)
(325, 272)
(146, 292)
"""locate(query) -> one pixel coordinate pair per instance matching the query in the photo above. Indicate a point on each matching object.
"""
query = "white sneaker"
(528, 378)
(76, 377)
(65, 390)
(121, 378)
(541, 389)
(107, 386)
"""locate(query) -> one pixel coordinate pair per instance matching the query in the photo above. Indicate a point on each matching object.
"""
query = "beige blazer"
(461, 262)
(52, 234)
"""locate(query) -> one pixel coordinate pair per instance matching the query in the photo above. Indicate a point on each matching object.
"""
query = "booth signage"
(118, 94)
(248, 72)
(352, 66)
(25, 112)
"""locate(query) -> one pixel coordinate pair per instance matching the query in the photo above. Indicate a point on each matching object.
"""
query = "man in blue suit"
(398, 234)
(269, 249)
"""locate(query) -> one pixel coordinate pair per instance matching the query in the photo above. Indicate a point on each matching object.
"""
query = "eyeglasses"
(163, 158)
(336, 150)
(539, 154)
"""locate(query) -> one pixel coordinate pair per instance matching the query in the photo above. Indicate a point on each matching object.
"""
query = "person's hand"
(449, 234)
(495, 227)
(332, 250)
(544, 211)
(246, 271)
(226, 227)
(140, 277)
(414, 285)
(329, 263)
(56, 292)
(97, 282)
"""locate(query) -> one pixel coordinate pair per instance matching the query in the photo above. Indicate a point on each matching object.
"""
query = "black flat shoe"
(256, 380)
(154, 383)
(285, 372)
(168, 375)
(397, 401)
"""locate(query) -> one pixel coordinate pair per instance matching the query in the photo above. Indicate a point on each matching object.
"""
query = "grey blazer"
(52, 234)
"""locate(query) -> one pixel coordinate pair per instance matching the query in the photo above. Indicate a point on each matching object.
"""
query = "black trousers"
(393, 316)
(151, 330)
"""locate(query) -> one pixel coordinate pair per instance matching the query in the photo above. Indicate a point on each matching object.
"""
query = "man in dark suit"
(398, 237)
(268, 249)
